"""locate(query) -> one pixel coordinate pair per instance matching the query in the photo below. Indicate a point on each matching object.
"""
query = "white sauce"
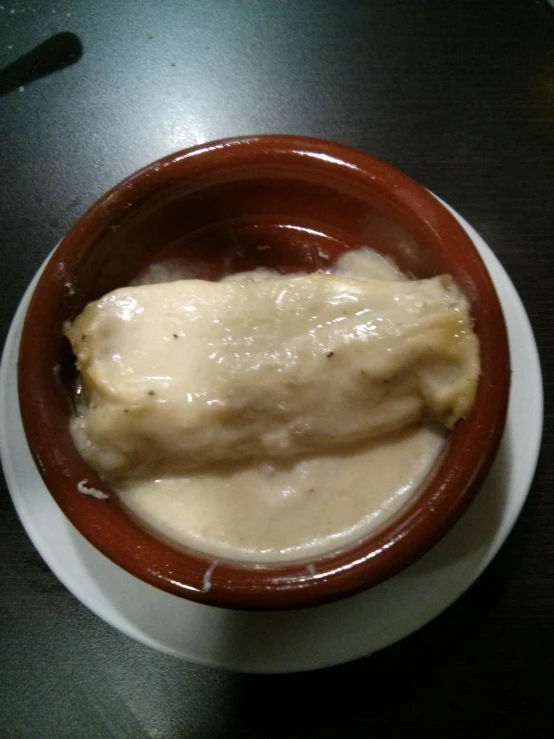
(288, 512)
(298, 510)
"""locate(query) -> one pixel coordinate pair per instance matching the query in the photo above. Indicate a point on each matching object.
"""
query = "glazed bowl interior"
(291, 204)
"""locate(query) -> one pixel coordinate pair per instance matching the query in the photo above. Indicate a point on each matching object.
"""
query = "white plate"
(297, 640)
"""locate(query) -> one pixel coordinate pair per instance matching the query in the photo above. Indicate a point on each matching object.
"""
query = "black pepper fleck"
(151, 392)
(175, 336)
(330, 354)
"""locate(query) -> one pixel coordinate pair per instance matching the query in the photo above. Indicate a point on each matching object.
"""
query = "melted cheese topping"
(272, 417)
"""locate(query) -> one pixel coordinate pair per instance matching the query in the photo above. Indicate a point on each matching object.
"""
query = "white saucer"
(297, 640)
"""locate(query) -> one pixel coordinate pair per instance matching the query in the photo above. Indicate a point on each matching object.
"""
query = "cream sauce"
(287, 507)
(270, 512)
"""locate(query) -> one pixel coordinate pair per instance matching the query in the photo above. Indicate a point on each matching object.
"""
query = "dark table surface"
(460, 95)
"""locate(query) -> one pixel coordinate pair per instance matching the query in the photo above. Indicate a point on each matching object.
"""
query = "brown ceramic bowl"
(213, 206)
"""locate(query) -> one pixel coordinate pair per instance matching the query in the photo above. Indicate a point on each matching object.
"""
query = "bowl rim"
(421, 522)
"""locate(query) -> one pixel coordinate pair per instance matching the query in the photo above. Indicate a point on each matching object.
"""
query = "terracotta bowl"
(212, 207)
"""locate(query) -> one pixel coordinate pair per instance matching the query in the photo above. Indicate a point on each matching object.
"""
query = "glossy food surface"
(181, 375)
(273, 382)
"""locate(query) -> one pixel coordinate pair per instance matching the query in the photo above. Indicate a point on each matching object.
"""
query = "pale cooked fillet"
(186, 374)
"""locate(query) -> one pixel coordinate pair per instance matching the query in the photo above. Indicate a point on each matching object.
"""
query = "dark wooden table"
(459, 94)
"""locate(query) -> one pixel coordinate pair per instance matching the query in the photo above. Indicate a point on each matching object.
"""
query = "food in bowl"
(268, 417)
(280, 203)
